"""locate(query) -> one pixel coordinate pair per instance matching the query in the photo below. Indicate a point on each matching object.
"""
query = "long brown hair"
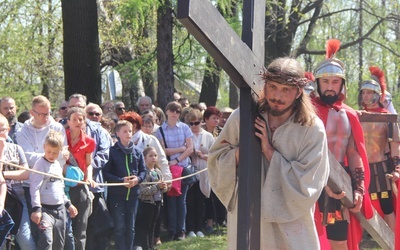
(286, 70)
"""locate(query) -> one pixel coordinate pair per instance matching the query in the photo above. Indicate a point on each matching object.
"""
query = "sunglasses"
(176, 111)
(63, 108)
(120, 109)
(194, 123)
(94, 114)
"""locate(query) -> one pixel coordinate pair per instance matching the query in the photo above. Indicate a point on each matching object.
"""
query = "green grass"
(215, 242)
(219, 242)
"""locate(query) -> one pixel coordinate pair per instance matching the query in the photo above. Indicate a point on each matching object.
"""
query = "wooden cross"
(242, 59)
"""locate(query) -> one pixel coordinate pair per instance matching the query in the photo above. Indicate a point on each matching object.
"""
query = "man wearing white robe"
(294, 161)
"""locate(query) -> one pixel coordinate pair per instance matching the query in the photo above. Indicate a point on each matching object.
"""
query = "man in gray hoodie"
(32, 136)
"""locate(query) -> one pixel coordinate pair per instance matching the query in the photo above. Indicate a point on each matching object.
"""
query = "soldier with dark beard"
(346, 143)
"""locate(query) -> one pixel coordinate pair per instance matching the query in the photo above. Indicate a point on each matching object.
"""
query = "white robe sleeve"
(222, 163)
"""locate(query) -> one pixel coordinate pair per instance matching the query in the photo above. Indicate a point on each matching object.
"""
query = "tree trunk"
(360, 45)
(148, 84)
(210, 84)
(165, 59)
(81, 49)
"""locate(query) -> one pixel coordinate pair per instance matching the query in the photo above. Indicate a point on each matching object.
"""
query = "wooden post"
(243, 61)
(249, 184)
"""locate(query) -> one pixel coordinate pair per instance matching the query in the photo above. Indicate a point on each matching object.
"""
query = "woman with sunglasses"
(176, 138)
(202, 141)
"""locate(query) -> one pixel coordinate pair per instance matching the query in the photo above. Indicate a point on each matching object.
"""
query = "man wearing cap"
(62, 111)
(225, 113)
(377, 135)
(346, 143)
(294, 161)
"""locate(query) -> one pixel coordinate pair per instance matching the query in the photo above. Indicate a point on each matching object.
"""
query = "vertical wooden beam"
(249, 171)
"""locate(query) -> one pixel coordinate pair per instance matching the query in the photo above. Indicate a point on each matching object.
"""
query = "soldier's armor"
(338, 131)
(376, 138)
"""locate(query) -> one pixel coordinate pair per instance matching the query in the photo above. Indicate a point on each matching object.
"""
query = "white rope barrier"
(98, 184)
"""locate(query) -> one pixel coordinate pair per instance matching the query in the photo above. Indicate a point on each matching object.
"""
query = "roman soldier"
(384, 167)
(346, 143)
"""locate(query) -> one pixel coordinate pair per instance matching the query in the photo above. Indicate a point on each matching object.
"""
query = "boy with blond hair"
(48, 197)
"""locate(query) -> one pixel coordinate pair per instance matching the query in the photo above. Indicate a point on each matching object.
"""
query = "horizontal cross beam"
(340, 181)
(212, 31)
(377, 117)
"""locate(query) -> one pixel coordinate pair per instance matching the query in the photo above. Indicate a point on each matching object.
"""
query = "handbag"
(176, 172)
(191, 169)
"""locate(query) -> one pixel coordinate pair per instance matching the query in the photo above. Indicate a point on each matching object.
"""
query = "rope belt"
(99, 184)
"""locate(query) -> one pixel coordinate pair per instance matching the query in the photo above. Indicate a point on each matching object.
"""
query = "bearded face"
(328, 98)
(278, 112)
(280, 98)
(329, 89)
(9, 109)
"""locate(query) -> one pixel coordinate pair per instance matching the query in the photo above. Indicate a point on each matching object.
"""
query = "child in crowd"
(48, 198)
(150, 198)
(148, 126)
(125, 165)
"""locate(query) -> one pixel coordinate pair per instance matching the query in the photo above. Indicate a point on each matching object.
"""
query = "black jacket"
(124, 162)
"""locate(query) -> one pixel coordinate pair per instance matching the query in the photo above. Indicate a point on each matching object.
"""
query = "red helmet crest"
(332, 46)
(378, 75)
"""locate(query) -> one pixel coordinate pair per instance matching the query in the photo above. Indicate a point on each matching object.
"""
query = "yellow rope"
(99, 184)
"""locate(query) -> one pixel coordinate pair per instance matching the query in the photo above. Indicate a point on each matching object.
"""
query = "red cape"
(377, 110)
(397, 229)
(355, 230)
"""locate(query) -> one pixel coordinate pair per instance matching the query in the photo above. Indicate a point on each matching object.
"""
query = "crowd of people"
(111, 153)
(119, 165)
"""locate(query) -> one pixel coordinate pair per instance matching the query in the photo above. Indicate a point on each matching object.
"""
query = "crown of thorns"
(282, 78)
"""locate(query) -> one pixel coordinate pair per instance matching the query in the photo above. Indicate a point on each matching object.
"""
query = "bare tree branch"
(330, 14)
(394, 52)
(349, 44)
(311, 27)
